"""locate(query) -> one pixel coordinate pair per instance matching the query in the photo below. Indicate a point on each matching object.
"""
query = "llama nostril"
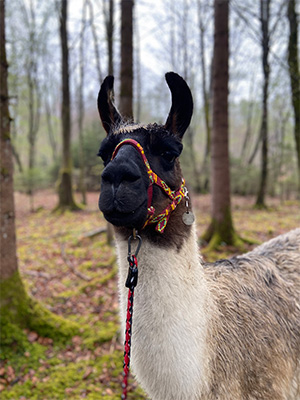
(106, 176)
(132, 175)
(115, 174)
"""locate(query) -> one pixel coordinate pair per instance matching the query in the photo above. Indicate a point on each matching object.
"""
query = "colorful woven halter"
(175, 195)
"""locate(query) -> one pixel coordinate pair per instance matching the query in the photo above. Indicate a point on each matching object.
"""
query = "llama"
(228, 330)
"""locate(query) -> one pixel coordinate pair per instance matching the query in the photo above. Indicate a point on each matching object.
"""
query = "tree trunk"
(186, 63)
(8, 257)
(33, 99)
(138, 75)
(265, 14)
(17, 309)
(221, 229)
(82, 187)
(14, 89)
(256, 148)
(65, 190)
(248, 132)
(109, 25)
(294, 77)
(205, 98)
(95, 40)
(126, 88)
(33, 126)
(52, 140)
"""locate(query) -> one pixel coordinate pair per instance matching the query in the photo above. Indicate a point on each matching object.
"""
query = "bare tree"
(268, 24)
(65, 190)
(33, 87)
(293, 62)
(138, 74)
(277, 146)
(96, 41)
(52, 141)
(15, 305)
(8, 255)
(82, 187)
(205, 92)
(249, 128)
(14, 89)
(108, 12)
(264, 19)
(221, 228)
(186, 67)
(126, 88)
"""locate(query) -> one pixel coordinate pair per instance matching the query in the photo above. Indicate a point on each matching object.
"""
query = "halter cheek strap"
(175, 195)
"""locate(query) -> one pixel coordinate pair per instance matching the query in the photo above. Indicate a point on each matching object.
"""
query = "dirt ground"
(75, 277)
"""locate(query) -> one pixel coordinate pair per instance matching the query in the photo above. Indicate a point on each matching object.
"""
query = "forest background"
(168, 35)
(68, 344)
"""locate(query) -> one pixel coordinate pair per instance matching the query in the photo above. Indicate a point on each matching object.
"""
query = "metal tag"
(188, 218)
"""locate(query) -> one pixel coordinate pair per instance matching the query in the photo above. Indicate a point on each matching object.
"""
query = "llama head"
(130, 150)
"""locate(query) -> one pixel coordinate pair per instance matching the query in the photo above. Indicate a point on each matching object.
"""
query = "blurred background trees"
(263, 75)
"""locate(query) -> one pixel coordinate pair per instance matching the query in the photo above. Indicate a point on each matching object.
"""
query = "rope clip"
(132, 277)
(134, 236)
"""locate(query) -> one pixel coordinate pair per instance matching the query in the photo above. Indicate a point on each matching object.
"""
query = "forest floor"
(75, 277)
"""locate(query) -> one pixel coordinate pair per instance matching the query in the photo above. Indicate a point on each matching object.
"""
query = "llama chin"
(227, 330)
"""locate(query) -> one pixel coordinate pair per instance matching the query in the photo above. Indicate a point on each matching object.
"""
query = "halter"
(175, 195)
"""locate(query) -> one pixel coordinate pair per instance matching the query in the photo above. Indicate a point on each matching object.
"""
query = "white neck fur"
(171, 306)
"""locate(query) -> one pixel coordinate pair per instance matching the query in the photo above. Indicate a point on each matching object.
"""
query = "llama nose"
(115, 174)
(120, 187)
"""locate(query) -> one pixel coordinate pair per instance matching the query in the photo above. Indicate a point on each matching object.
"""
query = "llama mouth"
(132, 219)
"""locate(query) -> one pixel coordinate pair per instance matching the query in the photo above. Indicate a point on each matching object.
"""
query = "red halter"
(175, 195)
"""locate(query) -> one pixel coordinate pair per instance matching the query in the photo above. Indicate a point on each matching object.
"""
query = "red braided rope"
(130, 283)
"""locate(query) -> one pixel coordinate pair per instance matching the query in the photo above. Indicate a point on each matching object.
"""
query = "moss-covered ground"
(73, 278)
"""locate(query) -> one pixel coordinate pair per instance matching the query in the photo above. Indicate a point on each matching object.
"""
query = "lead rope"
(131, 282)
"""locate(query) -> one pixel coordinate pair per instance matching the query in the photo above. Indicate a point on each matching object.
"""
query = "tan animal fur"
(199, 329)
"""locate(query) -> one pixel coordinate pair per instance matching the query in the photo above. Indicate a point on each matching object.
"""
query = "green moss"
(108, 262)
(15, 346)
(86, 264)
(17, 308)
(223, 233)
(68, 293)
(74, 381)
(109, 276)
(61, 209)
(100, 281)
(99, 333)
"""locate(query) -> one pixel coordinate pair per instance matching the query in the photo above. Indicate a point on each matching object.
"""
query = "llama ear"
(108, 113)
(182, 105)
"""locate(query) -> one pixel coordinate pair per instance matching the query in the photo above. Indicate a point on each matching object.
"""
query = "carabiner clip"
(136, 237)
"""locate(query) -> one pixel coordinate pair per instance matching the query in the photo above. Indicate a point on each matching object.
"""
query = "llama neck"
(172, 305)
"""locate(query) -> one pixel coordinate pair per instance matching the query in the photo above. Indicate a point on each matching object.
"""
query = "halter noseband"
(175, 195)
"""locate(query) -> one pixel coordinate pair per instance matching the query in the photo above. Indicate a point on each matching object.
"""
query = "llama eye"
(169, 156)
(106, 150)
(105, 157)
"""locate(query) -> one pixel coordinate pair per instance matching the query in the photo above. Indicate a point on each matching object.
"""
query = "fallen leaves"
(72, 271)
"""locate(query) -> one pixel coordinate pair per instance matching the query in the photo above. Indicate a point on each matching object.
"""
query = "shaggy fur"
(255, 334)
(229, 330)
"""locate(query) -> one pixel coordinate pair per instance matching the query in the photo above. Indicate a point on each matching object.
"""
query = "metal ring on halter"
(136, 237)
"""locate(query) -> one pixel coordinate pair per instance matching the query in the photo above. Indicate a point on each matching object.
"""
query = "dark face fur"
(124, 197)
